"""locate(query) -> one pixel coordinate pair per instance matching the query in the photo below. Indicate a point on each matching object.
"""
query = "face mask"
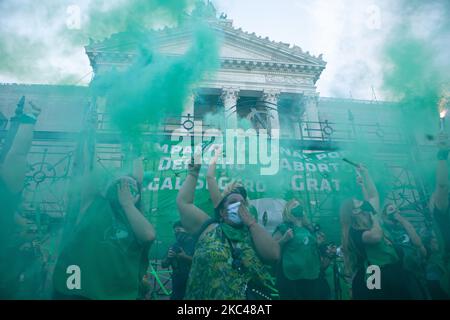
(233, 214)
(297, 212)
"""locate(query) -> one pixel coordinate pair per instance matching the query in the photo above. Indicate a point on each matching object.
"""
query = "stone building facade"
(271, 84)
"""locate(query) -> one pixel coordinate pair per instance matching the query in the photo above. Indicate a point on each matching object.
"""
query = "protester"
(213, 187)
(231, 248)
(109, 245)
(179, 258)
(365, 243)
(441, 208)
(436, 275)
(328, 254)
(12, 175)
(299, 267)
(409, 244)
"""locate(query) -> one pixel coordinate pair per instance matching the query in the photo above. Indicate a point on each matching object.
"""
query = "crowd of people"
(226, 254)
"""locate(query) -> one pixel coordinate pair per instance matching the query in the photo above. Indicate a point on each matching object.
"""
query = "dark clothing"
(324, 287)
(442, 222)
(181, 267)
(356, 238)
(392, 275)
(435, 290)
(441, 259)
(299, 266)
(61, 296)
(393, 284)
(298, 289)
(412, 261)
(104, 247)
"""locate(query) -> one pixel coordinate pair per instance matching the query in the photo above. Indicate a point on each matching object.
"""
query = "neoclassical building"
(271, 84)
(252, 69)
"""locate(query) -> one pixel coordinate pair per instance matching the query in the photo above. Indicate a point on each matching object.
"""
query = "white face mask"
(233, 214)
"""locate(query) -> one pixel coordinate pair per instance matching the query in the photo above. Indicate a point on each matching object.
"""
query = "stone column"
(229, 97)
(271, 97)
(189, 105)
(311, 116)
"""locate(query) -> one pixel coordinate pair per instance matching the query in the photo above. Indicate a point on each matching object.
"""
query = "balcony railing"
(322, 131)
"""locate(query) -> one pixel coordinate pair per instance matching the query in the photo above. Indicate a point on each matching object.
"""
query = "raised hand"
(442, 141)
(359, 179)
(171, 254)
(124, 195)
(196, 162)
(138, 169)
(362, 169)
(217, 148)
(288, 235)
(245, 215)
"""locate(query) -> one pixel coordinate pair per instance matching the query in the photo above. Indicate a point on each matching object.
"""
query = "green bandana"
(234, 234)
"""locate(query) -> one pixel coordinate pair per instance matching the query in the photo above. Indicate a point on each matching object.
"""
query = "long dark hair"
(348, 247)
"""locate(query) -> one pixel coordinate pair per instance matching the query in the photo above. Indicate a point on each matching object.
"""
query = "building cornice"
(120, 58)
(114, 50)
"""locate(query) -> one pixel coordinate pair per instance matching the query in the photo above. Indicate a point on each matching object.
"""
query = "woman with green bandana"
(365, 243)
(231, 250)
(299, 268)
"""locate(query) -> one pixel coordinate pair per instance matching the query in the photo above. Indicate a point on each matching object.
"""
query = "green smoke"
(416, 71)
(417, 59)
(105, 18)
(155, 87)
(35, 36)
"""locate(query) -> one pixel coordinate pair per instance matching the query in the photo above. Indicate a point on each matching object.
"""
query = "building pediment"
(237, 49)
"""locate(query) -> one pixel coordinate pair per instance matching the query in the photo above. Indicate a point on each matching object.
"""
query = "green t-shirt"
(111, 261)
(300, 256)
(381, 254)
(213, 276)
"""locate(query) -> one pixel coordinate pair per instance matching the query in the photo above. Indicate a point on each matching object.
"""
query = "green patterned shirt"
(212, 275)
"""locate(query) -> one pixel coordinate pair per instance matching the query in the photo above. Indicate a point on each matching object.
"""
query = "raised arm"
(192, 218)
(282, 239)
(143, 229)
(375, 234)
(213, 187)
(138, 174)
(415, 239)
(359, 181)
(442, 185)
(369, 189)
(266, 246)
